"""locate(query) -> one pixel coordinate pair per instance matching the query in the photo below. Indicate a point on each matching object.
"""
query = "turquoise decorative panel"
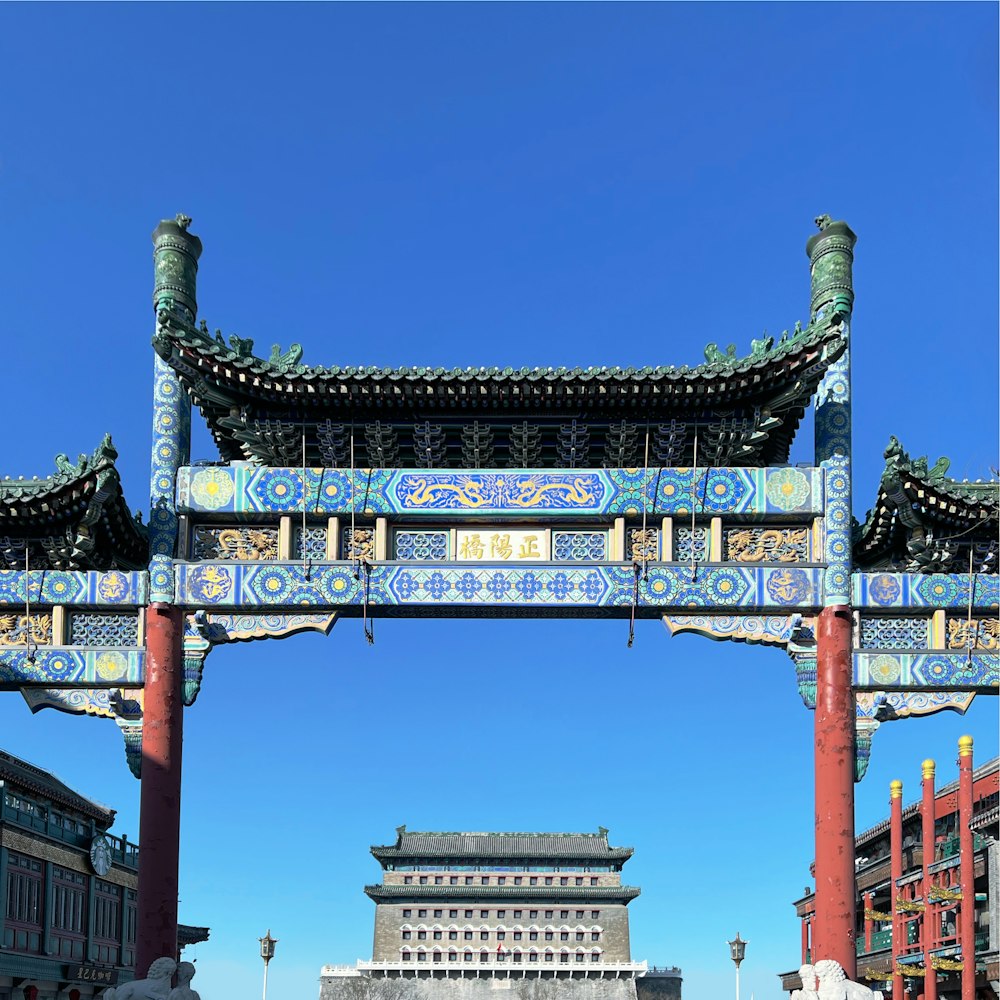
(53, 586)
(246, 489)
(924, 590)
(878, 671)
(334, 585)
(895, 632)
(90, 668)
(421, 546)
(580, 546)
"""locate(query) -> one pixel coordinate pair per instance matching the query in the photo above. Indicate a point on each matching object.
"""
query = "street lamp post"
(737, 952)
(267, 944)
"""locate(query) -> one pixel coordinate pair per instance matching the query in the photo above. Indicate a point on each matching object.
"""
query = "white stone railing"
(505, 969)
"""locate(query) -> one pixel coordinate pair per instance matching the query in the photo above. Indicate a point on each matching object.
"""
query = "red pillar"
(833, 930)
(895, 874)
(805, 940)
(869, 921)
(160, 794)
(928, 936)
(967, 908)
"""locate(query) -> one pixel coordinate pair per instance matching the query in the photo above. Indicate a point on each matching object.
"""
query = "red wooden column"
(160, 794)
(805, 940)
(895, 874)
(967, 908)
(833, 928)
(869, 921)
(928, 936)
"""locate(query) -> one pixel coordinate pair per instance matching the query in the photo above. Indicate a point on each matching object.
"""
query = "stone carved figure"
(156, 985)
(834, 984)
(809, 983)
(183, 991)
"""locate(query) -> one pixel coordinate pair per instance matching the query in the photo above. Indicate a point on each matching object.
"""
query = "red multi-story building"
(68, 910)
(927, 924)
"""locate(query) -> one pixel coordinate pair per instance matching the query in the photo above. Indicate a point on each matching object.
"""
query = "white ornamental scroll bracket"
(876, 707)
(792, 633)
(204, 631)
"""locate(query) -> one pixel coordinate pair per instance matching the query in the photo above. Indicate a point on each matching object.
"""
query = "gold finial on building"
(895, 789)
(965, 746)
(928, 768)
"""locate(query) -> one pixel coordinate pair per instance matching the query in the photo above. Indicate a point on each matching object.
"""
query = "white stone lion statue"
(156, 985)
(834, 984)
(807, 974)
(183, 991)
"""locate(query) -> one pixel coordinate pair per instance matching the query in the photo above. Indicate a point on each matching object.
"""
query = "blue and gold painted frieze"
(924, 590)
(53, 586)
(336, 585)
(89, 668)
(895, 670)
(245, 489)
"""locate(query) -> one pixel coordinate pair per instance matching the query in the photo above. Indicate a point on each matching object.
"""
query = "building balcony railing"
(950, 847)
(881, 941)
(49, 825)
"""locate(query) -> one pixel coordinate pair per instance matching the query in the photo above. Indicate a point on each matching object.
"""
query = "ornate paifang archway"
(653, 493)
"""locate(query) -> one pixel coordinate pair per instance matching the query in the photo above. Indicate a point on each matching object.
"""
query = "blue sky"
(512, 185)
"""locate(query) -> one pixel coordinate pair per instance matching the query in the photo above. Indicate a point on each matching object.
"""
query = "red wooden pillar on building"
(160, 795)
(805, 940)
(895, 874)
(869, 921)
(967, 872)
(833, 928)
(928, 930)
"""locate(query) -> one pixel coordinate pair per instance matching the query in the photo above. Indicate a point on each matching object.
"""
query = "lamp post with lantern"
(267, 944)
(737, 952)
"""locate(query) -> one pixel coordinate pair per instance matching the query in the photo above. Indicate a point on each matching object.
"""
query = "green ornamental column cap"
(175, 262)
(831, 256)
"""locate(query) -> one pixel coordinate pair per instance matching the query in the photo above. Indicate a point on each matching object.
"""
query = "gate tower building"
(535, 899)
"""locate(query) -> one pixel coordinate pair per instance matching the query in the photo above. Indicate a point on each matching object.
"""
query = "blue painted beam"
(246, 489)
(113, 588)
(899, 591)
(574, 588)
(71, 667)
(930, 671)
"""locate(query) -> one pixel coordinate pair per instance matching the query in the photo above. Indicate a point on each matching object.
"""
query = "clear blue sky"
(511, 185)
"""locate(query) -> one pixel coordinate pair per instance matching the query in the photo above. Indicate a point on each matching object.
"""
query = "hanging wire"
(694, 497)
(306, 562)
(645, 505)
(635, 601)
(970, 638)
(354, 537)
(29, 636)
(368, 624)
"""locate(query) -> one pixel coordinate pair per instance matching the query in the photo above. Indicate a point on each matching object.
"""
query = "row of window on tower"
(517, 957)
(499, 880)
(408, 934)
(502, 914)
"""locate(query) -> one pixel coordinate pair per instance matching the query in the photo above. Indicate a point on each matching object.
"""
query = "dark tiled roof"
(748, 408)
(923, 521)
(76, 519)
(187, 934)
(501, 845)
(19, 774)
(576, 894)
